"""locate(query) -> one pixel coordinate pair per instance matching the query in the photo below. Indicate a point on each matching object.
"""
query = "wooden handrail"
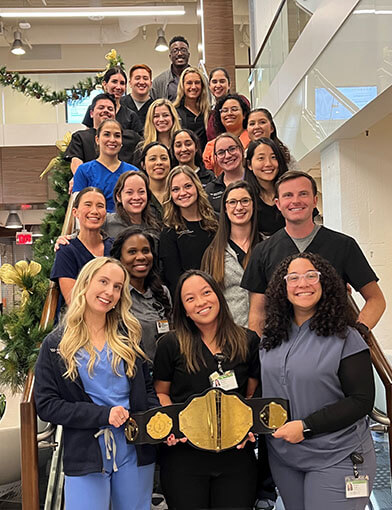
(28, 413)
(384, 370)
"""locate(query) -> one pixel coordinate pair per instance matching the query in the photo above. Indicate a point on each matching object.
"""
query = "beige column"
(219, 36)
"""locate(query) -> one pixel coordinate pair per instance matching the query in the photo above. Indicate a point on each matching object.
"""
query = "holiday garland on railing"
(38, 91)
(20, 331)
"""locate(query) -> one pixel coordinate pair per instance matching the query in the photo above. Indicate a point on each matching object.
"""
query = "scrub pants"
(324, 488)
(193, 479)
(128, 488)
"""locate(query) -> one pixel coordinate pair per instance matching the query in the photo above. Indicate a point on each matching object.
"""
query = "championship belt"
(214, 421)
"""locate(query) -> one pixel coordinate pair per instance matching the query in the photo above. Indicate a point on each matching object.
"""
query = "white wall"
(356, 185)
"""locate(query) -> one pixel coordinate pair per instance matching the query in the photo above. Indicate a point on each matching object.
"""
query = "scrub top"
(304, 370)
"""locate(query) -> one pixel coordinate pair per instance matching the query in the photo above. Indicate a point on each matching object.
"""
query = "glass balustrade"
(354, 69)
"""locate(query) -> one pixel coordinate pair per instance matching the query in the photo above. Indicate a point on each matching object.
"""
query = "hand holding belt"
(214, 421)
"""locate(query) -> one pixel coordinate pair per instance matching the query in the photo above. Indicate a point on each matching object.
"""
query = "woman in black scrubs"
(184, 361)
(190, 225)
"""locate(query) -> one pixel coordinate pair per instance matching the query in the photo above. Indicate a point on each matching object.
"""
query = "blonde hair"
(172, 216)
(202, 101)
(123, 341)
(150, 132)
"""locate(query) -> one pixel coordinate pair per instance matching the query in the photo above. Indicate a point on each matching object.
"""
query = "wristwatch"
(363, 329)
(307, 432)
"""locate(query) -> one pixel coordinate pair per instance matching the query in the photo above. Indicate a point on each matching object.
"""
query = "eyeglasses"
(230, 150)
(179, 50)
(232, 203)
(311, 277)
(233, 109)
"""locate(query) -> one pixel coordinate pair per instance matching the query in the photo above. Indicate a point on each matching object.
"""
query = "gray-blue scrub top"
(304, 370)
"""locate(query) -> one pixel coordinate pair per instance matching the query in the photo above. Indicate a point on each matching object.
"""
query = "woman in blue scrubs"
(313, 356)
(91, 372)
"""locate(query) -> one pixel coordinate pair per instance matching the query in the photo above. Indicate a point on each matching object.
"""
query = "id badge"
(226, 381)
(357, 487)
(163, 326)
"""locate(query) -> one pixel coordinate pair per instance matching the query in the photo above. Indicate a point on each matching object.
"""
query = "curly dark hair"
(153, 280)
(333, 314)
(219, 127)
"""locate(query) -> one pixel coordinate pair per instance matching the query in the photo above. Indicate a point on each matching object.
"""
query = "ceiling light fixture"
(17, 46)
(36, 231)
(13, 220)
(86, 12)
(161, 44)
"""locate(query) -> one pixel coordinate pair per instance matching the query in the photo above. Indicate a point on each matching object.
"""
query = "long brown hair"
(202, 101)
(213, 261)
(148, 217)
(172, 213)
(230, 338)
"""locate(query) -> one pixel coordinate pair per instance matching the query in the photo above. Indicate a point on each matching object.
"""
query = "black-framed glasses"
(312, 277)
(220, 154)
(175, 51)
(232, 202)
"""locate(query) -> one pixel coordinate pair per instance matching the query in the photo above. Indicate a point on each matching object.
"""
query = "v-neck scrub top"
(94, 173)
(304, 370)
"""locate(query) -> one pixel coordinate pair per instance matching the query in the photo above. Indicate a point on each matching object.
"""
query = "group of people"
(197, 252)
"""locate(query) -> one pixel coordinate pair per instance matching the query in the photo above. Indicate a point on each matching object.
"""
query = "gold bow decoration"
(114, 60)
(62, 147)
(21, 275)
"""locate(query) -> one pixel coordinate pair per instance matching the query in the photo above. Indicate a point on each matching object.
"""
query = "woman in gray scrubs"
(312, 355)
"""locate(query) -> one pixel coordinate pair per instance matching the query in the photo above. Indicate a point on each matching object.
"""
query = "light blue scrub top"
(304, 370)
(105, 388)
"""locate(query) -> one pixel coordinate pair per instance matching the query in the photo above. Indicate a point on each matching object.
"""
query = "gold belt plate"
(216, 421)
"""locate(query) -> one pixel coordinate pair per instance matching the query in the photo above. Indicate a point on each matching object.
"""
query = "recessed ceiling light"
(86, 12)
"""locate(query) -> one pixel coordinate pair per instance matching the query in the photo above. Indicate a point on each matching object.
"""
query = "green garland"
(38, 91)
(19, 330)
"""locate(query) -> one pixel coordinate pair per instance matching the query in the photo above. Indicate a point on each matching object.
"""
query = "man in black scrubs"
(83, 148)
(296, 198)
(140, 83)
(165, 85)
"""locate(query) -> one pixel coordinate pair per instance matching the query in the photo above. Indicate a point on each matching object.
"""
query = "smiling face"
(237, 213)
(192, 85)
(137, 257)
(296, 201)
(103, 109)
(231, 115)
(183, 191)
(179, 53)
(264, 164)
(105, 288)
(157, 163)
(133, 196)
(162, 119)
(109, 140)
(228, 155)
(140, 83)
(219, 84)
(259, 126)
(91, 211)
(116, 85)
(200, 302)
(184, 149)
(304, 296)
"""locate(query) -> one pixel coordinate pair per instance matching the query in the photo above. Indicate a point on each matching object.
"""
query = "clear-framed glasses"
(312, 277)
(232, 203)
(230, 150)
(233, 109)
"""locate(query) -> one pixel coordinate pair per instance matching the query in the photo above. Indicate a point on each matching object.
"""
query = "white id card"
(163, 326)
(357, 487)
(226, 381)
